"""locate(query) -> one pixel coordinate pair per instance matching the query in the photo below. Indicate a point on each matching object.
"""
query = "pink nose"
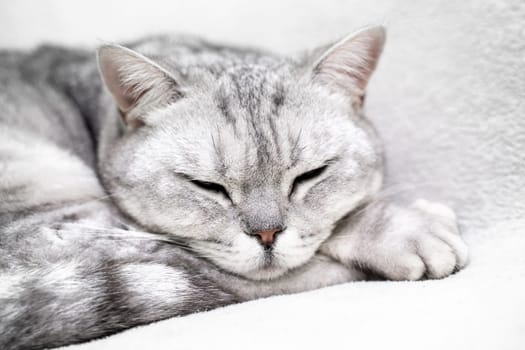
(266, 237)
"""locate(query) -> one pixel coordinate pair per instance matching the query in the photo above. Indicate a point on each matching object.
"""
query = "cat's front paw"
(421, 241)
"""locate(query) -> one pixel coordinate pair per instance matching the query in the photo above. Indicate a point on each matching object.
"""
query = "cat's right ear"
(137, 84)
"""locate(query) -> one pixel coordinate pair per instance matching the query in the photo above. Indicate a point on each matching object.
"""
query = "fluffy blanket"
(448, 99)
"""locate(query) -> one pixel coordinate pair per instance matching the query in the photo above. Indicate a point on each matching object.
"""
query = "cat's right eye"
(309, 175)
(211, 187)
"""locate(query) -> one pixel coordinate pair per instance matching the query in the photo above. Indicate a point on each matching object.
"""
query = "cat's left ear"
(348, 65)
(137, 83)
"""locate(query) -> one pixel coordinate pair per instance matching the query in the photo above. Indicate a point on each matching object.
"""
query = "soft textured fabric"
(448, 99)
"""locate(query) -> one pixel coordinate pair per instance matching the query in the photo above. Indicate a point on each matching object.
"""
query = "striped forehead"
(249, 100)
(258, 125)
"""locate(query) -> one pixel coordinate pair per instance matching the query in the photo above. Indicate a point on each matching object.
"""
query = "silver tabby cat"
(193, 176)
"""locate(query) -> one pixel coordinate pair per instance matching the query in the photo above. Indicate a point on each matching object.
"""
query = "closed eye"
(211, 187)
(309, 175)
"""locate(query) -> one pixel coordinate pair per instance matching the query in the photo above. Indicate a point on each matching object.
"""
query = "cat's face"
(253, 167)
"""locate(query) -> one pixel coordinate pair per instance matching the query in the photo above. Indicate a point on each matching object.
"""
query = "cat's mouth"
(268, 259)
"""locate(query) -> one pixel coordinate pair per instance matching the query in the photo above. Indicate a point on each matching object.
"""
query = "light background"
(281, 25)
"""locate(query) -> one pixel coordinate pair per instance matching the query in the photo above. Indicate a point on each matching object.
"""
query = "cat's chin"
(266, 273)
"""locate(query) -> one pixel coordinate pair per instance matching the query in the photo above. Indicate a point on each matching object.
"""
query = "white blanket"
(448, 99)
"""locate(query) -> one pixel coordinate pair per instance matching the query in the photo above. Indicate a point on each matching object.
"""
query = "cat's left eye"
(211, 187)
(309, 175)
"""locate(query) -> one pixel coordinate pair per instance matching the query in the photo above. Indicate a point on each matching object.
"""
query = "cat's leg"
(400, 243)
(96, 282)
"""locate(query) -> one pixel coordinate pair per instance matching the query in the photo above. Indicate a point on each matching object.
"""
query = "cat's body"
(77, 259)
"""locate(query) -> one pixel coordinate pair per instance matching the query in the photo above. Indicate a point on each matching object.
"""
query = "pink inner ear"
(349, 64)
(136, 83)
(119, 68)
(110, 61)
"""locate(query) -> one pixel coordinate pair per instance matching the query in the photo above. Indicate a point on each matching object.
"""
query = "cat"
(191, 176)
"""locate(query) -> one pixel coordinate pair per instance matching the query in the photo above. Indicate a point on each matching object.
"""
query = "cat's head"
(252, 159)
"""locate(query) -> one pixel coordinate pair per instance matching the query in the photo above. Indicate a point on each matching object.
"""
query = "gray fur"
(102, 226)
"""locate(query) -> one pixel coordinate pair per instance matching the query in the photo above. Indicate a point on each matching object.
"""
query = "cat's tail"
(93, 295)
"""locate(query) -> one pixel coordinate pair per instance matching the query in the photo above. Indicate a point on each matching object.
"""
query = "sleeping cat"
(193, 176)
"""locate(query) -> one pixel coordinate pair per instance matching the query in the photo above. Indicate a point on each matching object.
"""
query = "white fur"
(148, 283)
